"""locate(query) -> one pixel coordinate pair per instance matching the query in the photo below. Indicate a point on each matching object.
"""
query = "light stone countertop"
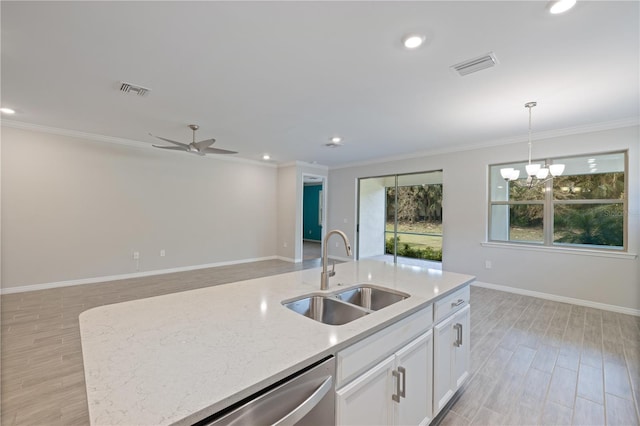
(177, 358)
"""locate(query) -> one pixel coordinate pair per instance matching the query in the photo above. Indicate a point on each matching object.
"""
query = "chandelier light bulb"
(506, 172)
(532, 169)
(542, 173)
(556, 169)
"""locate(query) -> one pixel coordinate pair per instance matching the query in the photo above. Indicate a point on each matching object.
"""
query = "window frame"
(548, 207)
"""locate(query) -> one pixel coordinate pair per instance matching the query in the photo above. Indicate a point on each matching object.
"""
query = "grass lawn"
(418, 241)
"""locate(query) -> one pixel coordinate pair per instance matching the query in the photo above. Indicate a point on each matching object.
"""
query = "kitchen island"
(178, 358)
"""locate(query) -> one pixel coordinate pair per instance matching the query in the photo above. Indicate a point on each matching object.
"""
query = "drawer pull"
(458, 303)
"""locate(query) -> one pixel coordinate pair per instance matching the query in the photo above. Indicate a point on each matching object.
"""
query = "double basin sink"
(344, 306)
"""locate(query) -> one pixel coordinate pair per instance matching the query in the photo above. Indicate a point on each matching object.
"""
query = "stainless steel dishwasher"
(304, 398)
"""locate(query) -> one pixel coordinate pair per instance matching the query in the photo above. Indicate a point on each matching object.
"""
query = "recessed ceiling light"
(561, 6)
(266, 157)
(336, 139)
(7, 111)
(413, 41)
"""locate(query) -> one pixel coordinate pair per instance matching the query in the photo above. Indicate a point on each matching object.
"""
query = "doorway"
(400, 218)
(313, 202)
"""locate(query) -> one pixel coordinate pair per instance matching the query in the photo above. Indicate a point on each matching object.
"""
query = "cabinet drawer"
(362, 355)
(451, 303)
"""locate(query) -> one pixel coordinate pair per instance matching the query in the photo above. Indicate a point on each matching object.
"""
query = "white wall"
(287, 217)
(598, 279)
(74, 209)
(372, 218)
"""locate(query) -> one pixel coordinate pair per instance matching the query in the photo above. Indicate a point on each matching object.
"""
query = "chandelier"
(537, 174)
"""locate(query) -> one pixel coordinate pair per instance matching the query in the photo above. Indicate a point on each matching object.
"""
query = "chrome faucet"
(324, 277)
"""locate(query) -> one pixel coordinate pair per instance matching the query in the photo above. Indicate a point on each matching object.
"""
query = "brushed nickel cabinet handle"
(403, 371)
(458, 303)
(396, 396)
(458, 341)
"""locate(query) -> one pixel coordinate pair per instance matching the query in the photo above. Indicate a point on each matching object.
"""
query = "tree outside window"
(585, 206)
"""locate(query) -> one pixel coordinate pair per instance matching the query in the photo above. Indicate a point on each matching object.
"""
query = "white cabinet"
(414, 365)
(451, 356)
(406, 373)
(397, 391)
(367, 400)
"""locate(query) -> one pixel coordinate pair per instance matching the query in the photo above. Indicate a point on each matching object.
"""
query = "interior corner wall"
(76, 209)
(598, 279)
(287, 204)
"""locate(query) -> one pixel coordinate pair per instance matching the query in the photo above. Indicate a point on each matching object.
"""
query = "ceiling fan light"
(556, 169)
(561, 6)
(532, 169)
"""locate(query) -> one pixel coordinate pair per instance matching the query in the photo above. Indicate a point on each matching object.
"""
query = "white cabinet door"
(444, 337)
(461, 349)
(414, 364)
(451, 350)
(367, 400)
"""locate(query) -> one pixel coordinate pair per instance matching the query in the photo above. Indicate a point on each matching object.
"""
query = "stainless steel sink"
(370, 297)
(326, 309)
(344, 306)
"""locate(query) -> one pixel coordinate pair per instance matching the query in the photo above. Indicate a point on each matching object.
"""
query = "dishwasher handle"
(307, 405)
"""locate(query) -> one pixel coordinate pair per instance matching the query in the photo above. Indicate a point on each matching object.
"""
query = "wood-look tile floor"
(532, 361)
(535, 361)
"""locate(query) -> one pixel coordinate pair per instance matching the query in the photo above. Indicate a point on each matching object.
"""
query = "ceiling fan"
(198, 148)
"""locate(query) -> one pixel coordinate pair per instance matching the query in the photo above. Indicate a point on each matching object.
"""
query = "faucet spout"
(324, 277)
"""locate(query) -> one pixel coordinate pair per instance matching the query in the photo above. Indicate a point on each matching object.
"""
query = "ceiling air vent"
(476, 64)
(132, 88)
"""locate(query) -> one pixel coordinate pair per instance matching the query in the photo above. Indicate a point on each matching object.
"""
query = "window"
(584, 207)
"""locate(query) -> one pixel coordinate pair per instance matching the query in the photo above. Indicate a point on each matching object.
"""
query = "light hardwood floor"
(532, 361)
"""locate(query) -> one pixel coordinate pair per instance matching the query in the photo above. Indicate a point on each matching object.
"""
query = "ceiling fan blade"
(175, 148)
(203, 144)
(218, 151)
(184, 145)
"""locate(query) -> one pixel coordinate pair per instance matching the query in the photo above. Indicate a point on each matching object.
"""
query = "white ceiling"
(282, 77)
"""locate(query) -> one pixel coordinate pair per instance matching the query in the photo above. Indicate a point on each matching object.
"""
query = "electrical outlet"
(136, 255)
(162, 253)
(487, 264)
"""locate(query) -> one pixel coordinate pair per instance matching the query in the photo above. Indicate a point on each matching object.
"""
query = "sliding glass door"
(400, 217)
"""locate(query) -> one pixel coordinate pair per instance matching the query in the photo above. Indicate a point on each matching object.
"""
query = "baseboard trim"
(556, 298)
(286, 259)
(95, 280)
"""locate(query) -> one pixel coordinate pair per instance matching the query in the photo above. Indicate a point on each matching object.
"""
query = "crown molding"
(299, 163)
(568, 131)
(117, 141)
